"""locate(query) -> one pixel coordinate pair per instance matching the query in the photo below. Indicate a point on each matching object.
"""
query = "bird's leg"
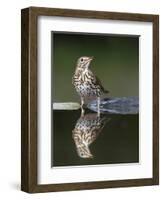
(82, 102)
(82, 112)
(98, 106)
(82, 109)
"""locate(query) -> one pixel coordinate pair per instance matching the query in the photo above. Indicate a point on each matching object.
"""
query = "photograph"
(90, 99)
(94, 98)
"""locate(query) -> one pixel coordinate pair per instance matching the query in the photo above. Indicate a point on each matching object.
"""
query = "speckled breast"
(86, 88)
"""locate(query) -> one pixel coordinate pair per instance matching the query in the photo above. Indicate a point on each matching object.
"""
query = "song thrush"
(86, 131)
(86, 83)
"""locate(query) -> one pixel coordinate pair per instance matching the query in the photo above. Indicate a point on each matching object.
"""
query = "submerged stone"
(66, 106)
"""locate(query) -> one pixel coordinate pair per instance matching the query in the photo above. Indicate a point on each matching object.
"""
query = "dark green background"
(116, 63)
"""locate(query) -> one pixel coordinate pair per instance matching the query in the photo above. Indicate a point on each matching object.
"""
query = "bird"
(86, 131)
(86, 83)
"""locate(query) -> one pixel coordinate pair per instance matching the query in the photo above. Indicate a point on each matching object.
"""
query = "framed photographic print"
(90, 99)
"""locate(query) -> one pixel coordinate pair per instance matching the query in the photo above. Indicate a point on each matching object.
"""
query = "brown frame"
(29, 99)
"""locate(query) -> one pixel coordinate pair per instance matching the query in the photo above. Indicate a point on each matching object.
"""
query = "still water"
(91, 140)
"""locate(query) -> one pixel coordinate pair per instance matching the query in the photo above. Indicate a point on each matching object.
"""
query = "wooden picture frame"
(29, 164)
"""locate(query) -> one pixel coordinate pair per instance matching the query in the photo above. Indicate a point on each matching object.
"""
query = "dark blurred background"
(116, 63)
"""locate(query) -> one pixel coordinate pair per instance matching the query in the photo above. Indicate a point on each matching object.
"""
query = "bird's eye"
(81, 59)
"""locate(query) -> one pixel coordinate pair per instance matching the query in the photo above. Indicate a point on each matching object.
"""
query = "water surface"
(116, 142)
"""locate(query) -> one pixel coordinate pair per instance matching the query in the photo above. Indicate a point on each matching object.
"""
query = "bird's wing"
(98, 82)
(97, 130)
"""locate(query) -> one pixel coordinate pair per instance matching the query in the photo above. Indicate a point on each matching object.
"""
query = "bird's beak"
(91, 156)
(91, 58)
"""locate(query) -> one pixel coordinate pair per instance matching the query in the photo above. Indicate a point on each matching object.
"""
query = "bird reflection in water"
(86, 131)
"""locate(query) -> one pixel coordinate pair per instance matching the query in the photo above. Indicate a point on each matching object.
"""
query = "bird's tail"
(106, 91)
